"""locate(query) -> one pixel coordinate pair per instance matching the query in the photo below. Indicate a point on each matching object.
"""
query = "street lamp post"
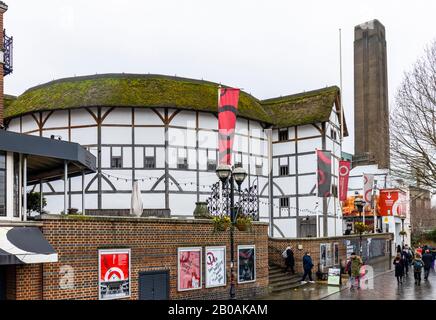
(225, 173)
(359, 204)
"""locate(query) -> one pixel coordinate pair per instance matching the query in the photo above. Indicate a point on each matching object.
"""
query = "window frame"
(5, 195)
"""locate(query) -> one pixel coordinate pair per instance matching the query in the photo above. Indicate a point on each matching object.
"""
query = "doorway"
(2, 283)
(154, 285)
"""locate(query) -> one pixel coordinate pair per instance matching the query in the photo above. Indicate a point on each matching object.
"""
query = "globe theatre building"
(163, 132)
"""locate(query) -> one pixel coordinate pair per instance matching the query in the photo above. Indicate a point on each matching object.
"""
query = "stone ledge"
(53, 217)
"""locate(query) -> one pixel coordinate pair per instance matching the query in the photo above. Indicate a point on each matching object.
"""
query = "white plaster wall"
(84, 136)
(145, 135)
(309, 145)
(307, 163)
(307, 131)
(116, 135)
(81, 117)
(207, 121)
(144, 116)
(28, 123)
(283, 148)
(14, 125)
(117, 116)
(287, 226)
(58, 119)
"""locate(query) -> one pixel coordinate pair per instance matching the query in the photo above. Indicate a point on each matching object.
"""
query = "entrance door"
(154, 285)
(2, 283)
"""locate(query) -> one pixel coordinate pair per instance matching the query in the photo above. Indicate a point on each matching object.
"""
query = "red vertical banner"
(344, 173)
(227, 110)
(324, 173)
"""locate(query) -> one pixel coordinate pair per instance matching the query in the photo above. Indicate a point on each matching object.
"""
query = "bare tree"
(413, 124)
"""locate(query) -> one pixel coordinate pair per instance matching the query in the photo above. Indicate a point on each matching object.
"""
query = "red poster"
(114, 273)
(189, 269)
(324, 173)
(227, 109)
(392, 202)
(344, 173)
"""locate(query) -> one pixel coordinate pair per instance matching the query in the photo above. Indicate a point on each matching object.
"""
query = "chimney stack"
(3, 9)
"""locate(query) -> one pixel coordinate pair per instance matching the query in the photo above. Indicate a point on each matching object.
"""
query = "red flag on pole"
(344, 173)
(227, 109)
(324, 173)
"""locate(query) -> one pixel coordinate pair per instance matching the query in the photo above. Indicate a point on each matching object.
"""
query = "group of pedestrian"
(288, 255)
(421, 259)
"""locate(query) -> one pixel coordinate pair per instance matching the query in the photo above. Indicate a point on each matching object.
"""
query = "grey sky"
(268, 48)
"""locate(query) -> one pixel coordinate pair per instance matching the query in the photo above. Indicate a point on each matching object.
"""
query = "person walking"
(399, 268)
(307, 267)
(398, 249)
(356, 264)
(427, 259)
(417, 269)
(290, 260)
(406, 256)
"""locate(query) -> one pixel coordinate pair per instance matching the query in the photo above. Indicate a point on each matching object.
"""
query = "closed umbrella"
(136, 207)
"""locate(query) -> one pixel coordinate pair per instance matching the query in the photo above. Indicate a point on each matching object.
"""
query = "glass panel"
(16, 185)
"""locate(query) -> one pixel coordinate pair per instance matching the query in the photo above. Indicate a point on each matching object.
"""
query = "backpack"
(284, 254)
(417, 265)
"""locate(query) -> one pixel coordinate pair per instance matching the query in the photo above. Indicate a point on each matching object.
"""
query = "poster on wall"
(323, 254)
(336, 253)
(215, 267)
(189, 269)
(246, 264)
(114, 274)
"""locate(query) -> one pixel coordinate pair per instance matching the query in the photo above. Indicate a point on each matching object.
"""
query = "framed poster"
(113, 274)
(323, 254)
(188, 269)
(336, 253)
(329, 255)
(215, 267)
(334, 277)
(246, 264)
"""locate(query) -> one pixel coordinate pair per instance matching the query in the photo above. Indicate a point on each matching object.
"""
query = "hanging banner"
(215, 267)
(392, 202)
(227, 110)
(344, 173)
(324, 173)
(114, 274)
(368, 183)
(189, 269)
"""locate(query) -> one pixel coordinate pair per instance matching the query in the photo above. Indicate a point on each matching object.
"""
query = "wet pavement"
(378, 284)
(385, 287)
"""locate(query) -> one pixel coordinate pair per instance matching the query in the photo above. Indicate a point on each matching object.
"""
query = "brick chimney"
(3, 9)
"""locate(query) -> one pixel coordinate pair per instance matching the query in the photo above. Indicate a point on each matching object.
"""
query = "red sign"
(114, 273)
(392, 202)
(189, 269)
(344, 173)
(227, 108)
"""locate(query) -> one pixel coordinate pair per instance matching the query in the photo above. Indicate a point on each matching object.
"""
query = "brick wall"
(277, 246)
(153, 244)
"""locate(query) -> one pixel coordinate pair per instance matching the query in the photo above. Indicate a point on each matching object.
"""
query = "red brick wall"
(153, 244)
(277, 246)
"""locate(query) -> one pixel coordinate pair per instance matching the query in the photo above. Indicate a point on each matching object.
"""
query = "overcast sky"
(268, 48)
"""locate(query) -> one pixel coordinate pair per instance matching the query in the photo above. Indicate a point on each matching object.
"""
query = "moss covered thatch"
(132, 90)
(126, 90)
(303, 108)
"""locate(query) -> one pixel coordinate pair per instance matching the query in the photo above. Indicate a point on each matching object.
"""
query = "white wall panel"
(149, 135)
(160, 157)
(127, 157)
(287, 184)
(307, 163)
(309, 203)
(153, 200)
(283, 148)
(182, 204)
(286, 226)
(29, 124)
(58, 119)
(256, 129)
(144, 116)
(55, 204)
(207, 139)
(185, 177)
(118, 116)
(116, 135)
(84, 136)
(207, 121)
(309, 145)
(184, 119)
(240, 143)
(81, 117)
(62, 133)
(181, 137)
(14, 125)
(306, 183)
(120, 201)
(202, 159)
(307, 131)
(241, 126)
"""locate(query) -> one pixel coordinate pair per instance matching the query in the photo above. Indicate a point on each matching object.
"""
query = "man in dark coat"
(290, 260)
(307, 267)
(405, 255)
(427, 259)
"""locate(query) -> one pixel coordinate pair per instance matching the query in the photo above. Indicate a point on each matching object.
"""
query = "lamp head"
(239, 174)
(223, 171)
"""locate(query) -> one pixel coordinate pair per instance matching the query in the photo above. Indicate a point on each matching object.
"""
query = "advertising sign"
(324, 173)
(246, 264)
(344, 172)
(227, 108)
(368, 184)
(334, 277)
(215, 267)
(114, 274)
(392, 202)
(189, 269)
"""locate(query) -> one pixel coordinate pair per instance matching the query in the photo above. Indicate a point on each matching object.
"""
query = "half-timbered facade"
(163, 132)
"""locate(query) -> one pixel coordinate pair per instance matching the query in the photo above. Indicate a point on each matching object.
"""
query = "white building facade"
(138, 129)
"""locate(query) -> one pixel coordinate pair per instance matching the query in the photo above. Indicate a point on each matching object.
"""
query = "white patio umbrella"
(136, 206)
